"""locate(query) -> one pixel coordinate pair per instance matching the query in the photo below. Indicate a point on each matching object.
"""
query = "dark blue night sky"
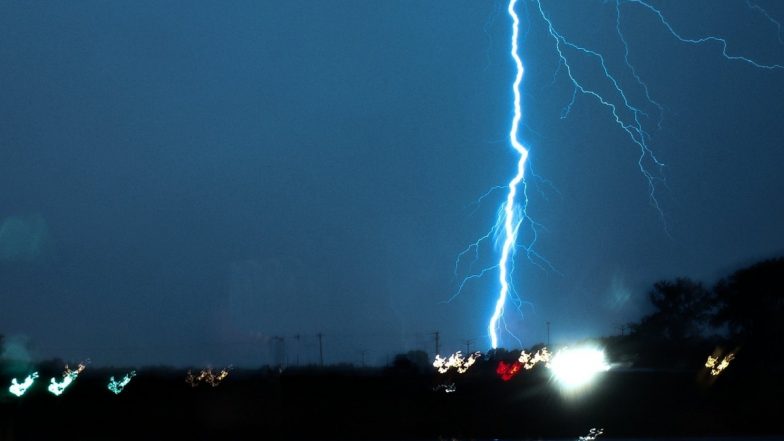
(184, 180)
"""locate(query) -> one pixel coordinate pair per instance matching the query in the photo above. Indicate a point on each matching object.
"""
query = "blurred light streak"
(207, 376)
(715, 368)
(455, 361)
(592, 435)
(508, 370)
(19, 389)
(530, 360)
(118, 386)
(69, 376)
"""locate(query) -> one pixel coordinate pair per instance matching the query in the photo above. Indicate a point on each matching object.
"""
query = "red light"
(508, 370)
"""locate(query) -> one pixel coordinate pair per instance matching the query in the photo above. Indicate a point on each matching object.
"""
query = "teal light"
(20, 389)
(57, 388)
(118, 386)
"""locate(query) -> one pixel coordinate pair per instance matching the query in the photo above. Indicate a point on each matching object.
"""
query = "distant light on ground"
(575, 368)
(448, 388)
(508, 370)
(457, 361)
(117, 386)
(19, 389)
(716, 367)
(531, 360)
(592, 435)
(69, 376)
(206, 376)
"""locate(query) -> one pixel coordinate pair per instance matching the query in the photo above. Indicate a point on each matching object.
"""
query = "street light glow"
(575, 368)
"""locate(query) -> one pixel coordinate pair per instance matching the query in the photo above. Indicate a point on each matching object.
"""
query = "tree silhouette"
(682, 310)
(750, 302)
(412, 361)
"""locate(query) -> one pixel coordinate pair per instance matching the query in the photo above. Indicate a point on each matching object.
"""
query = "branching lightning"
(758, 8)
(630, 116)
(512, 218)
(631, 124)
(721, 41)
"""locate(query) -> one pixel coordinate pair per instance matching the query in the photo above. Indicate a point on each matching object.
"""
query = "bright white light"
(577, 367)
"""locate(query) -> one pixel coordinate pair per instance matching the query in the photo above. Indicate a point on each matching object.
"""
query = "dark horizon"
(286, 352)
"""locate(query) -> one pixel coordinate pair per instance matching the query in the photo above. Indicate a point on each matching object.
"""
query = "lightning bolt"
(511, 214)
(629, 116)
(512, 217)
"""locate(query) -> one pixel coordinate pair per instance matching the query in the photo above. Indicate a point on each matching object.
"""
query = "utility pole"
(363, 352)
(279, 350)
(548, 334)
(622, 328)
(296, 337)
(438, 342)
(468, 346)
(321, 349)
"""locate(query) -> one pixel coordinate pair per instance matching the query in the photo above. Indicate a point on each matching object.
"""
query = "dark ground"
(395, 403)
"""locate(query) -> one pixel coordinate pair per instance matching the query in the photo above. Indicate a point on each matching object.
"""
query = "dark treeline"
(742, 313)
(657, 388)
